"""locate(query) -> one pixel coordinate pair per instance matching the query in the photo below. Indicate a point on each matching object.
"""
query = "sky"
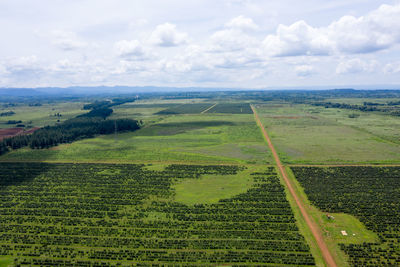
(202, 43)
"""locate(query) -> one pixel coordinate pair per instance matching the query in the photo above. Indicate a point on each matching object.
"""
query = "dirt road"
(316, 232)
(207, 109)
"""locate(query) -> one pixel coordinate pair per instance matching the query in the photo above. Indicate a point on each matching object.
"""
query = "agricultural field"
(186, 109)
(115, 214)
(207, 138)
(231, 108)
(372, 195)
(305, 134)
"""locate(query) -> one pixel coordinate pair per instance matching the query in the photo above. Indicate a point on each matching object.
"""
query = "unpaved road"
(207, 109)
(310, 223)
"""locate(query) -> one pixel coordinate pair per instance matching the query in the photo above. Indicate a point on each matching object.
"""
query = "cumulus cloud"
(131, 50)
(243, 23)
(167, 35)
(296, 40)
(67, 40)
(230, 40)
(377, 30)
(304, 70)
(355, 65)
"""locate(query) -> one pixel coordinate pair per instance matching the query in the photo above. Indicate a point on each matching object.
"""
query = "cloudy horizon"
(226, 43)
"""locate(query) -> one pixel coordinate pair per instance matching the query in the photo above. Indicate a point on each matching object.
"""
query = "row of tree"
(67, 132)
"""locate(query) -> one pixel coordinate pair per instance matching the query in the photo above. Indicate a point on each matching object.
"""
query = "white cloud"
(243, 23)
(392, 68)
(230, 40)
(355, 65)
(304, 70)
(3, 70)
(23, 64)
(377, 30)
(131, 50)
(66, 40)
(296, 40)
(167, 35)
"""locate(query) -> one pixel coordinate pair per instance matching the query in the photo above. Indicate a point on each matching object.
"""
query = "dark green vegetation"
(186, 109)
(371, 194)
(231, 108)
(106, 104)
(7, 113)
(391, 107)
(80, 214)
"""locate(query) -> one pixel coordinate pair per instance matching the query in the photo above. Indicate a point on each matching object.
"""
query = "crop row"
(185, 109)
(372, 194)
(232, 108)
(62, 214)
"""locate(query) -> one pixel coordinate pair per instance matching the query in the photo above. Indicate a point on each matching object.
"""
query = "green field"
(39, 116)
(305, 134)
(189, 138)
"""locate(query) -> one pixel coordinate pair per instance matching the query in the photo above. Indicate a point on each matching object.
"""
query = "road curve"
(309, 221)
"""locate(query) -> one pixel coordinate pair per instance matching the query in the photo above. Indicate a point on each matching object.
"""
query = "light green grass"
(380, 125)
(357, 232)
(211, 188)
(305, 134)
(42, 115)
(6, 261)
(201, 138)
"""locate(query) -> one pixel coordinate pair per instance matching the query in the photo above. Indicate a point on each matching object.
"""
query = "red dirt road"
(309, 221)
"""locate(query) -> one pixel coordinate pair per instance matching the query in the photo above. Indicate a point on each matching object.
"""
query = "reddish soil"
(10, 132)
(316, 232)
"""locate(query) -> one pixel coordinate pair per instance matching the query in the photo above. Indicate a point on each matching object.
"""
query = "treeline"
(67, 132)
(7, 113)
(388, 108)
(98, 112)
(108, 103)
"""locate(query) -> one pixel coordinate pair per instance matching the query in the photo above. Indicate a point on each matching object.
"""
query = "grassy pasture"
(382, 126)
(42, 115)
(211, 188)
(304, 134)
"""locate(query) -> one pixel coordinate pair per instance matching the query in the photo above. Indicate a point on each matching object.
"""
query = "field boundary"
(316, 232)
